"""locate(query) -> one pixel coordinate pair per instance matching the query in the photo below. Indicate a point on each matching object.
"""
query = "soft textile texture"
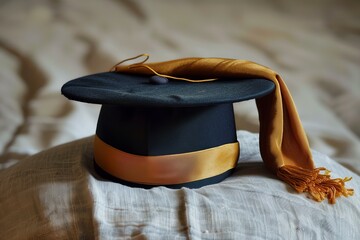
(57, 195)
(283, 144)
(314, 45)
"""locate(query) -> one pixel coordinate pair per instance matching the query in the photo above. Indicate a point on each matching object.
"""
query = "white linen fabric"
(57, 195)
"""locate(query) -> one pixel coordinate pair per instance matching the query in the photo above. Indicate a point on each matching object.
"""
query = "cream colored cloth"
(51, 42)
(57, 195)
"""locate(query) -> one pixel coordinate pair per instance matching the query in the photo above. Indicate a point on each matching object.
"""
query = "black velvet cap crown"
(147, 119)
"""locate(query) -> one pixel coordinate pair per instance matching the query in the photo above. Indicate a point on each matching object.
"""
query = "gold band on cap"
(166, 169)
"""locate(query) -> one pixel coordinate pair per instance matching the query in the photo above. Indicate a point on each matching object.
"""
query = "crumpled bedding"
(43, 44)
(56, 194)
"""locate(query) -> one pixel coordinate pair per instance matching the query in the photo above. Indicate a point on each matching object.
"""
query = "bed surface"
(314, 46)
(56, 194)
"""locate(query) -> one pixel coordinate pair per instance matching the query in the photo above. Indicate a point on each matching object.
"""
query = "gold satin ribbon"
(166, 169)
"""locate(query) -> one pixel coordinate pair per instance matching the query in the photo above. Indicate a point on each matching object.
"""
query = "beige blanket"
(314, 45)
(56, 194)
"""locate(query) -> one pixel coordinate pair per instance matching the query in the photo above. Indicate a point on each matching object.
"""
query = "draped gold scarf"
(283, 144)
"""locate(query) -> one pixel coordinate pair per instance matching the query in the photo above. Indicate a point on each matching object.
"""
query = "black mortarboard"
(181, 133)
(153, 131)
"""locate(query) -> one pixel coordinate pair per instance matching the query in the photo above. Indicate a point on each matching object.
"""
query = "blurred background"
(313, 45)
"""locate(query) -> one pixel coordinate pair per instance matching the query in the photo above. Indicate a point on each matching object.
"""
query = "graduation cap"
(172, 124)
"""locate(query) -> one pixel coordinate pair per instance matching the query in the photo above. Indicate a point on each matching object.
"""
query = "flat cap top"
(134, 90)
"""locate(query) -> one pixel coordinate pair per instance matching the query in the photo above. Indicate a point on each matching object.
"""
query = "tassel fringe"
(318, 186)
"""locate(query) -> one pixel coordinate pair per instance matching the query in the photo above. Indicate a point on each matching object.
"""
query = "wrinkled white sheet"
(57, 195)
(43, 44)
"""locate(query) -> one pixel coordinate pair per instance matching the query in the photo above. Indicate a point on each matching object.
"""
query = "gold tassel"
(318, 186)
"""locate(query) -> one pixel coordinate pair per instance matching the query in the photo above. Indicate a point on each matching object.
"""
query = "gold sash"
(166, 169)
(283, 143)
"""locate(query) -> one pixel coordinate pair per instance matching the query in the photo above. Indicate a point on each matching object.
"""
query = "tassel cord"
(318, 186)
